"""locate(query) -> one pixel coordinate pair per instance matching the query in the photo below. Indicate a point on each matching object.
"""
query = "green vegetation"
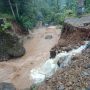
(87, 6)
(6, 25)
(28, 12)
(33, 87)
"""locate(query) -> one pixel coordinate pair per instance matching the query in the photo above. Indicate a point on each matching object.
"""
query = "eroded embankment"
(77, 75)
(74, 77)
(60, 61)
(74, 32)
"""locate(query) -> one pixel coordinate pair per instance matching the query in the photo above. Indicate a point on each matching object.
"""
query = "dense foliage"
(28, 12)
(87, 5)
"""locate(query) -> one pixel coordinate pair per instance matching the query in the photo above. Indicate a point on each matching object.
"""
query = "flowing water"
(50, 67)
(17, 71)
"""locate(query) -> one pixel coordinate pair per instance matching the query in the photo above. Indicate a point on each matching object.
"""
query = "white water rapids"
(50, 67)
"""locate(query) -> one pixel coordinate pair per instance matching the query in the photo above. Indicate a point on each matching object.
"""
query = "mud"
(17, 71)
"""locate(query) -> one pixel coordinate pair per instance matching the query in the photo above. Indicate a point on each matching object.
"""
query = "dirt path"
(37, 51)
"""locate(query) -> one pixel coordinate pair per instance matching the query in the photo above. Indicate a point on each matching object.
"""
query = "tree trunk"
(11, 8)
(17, 10)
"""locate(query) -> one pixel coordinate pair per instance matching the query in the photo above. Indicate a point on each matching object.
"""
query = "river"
(17, 71)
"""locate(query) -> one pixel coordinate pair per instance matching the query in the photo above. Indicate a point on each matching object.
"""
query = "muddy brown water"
(17, 71)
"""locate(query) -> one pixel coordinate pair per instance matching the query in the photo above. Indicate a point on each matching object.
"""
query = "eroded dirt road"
(17, 71)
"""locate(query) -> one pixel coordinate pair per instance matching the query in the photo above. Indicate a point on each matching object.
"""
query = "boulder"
(52, 54)
(48, 37)
(10, 47)
(16, 51)
(7, 86)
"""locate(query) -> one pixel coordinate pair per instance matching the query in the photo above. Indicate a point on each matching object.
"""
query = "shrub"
(6, 25)
(60, 17)
(26, 22)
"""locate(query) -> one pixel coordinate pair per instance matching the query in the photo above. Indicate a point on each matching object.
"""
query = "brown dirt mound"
(74, 32)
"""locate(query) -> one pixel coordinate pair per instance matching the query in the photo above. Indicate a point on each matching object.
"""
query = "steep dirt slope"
(77, 75)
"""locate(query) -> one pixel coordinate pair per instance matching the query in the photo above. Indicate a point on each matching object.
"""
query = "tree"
(10, 4)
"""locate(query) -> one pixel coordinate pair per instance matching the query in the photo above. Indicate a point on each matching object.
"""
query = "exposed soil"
(77, 75)
(17, 71)
(74, 77)
(73, 34)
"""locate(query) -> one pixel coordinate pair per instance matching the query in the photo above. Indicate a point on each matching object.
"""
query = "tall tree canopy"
(28, 12)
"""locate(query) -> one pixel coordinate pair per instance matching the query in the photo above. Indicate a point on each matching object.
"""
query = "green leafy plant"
(26, 22)
(5, 26)
(33, 87)
(60, 17)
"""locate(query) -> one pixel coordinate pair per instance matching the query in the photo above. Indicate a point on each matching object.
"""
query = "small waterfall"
(51, 66)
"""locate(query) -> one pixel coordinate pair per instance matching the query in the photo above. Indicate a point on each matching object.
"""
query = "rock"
(16, 51)
(52, 54)
(87, 66)
(48, 37)
(75, 58)
(7, 86)
(88, 45)
(67, 48)
(58, 63)
(61, 87)
(29, 37)
(10, 47)
(88, 88)
(84, 73)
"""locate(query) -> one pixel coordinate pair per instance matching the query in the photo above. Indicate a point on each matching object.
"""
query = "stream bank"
(76, 76)
(10, 47)
(17, 71)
